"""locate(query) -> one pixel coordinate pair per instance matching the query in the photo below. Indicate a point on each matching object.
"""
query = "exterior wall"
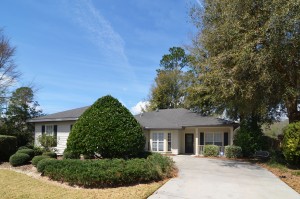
(63, 131)
(174, 140)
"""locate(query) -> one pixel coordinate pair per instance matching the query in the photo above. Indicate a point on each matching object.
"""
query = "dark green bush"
(291, 143)
(109, 129)
(211, 150)
(8, 146)
(107, 172)
(233, 151)
(19, 159)
(23, 147)
(249, 137)
(38, 150)
(35, 160)
(70, 155)
(50, 154)
(29, 152)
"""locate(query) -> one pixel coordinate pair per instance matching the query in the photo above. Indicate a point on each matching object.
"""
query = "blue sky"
(76, 51)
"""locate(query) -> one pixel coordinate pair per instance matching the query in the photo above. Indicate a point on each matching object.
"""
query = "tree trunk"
(292, 110)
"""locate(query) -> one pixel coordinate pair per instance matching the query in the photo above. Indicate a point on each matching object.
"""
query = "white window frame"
(213, 138)
(49, 132)
(157, 141)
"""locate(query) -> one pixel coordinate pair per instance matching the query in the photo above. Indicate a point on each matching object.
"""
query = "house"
(174, 131)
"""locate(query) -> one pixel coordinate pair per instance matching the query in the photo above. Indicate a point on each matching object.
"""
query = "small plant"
(47, 141)
(38, 150)
(38, 158)
(23, 147)
(70, 155)
(211, 151)
(233, 151)
(29, 152)
(8, 146)
(19, 159)
(291, 143)
(50, 154)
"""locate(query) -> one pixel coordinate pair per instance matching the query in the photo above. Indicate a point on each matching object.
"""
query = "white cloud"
(137, 109)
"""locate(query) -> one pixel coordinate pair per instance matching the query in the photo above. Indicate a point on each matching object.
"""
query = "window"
(169, 141)
(158, 142)
(213, 138)
(49, 130)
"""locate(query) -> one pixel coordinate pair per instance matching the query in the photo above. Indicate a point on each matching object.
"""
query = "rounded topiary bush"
(8, 146)
(109, 129)
(211, 151)
(291, 143)
(23, 147)
(38, 158)
(50, 154)
(70, 155)
(29, 152)
(19, 159)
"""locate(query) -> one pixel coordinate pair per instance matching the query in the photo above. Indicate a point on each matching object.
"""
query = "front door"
(189, 143)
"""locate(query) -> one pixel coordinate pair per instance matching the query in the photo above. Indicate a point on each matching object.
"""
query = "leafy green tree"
(21, 108)
(248, 51)
(171, 81)
(107, 128)
(291, 143)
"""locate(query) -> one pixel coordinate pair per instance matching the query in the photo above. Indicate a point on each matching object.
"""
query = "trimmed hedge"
(38, 158)
(23, 147)
(233, 151)
(109, 129)
(107, 172)
(211, 150)
(8, 146)
(50, 154)
(29, 152)
(19, 159)
(38, 151)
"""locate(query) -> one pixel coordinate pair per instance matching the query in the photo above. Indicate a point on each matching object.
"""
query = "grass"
(16, 185)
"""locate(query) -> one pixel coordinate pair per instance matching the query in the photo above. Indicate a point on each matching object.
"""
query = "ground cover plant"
(108, 172)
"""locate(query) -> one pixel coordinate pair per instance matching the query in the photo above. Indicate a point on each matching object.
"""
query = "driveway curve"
(216, 178)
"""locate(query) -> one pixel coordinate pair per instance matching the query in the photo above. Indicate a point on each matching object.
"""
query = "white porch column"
(197, 141)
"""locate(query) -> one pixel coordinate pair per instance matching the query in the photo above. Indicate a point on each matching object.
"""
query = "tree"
(249, 55)
(170, 82)
(21, 108)
(8, 72)
(107, 128)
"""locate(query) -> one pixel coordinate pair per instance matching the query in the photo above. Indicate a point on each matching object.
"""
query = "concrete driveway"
(215, 178)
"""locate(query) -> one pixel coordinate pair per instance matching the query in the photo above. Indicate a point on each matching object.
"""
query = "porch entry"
(189, 143)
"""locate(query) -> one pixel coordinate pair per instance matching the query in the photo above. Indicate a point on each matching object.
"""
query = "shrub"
(29, 152)
(233, 151)
(211, 150)
(109, 129)
(70, 155)
(38, 158)
(38, 151)
(249, 137)
(8, 146)
(19, 159)
(47, 141)
(23, 147)
(291, 143)
(107, 172)
(50, 154)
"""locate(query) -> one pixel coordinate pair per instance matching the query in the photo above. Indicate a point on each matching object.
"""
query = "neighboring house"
(176, 131)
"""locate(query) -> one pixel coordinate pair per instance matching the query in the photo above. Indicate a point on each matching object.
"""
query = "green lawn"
(16, 185)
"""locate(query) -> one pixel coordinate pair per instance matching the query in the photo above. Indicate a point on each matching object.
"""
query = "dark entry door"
(189, 143)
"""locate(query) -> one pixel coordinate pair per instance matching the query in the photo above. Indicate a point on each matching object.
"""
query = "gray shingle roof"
(70, 115)
(177, 119)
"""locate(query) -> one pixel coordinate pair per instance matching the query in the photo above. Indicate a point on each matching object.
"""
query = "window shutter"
(201, 140)
(43, 129)
(55, 130)
(225, 139)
